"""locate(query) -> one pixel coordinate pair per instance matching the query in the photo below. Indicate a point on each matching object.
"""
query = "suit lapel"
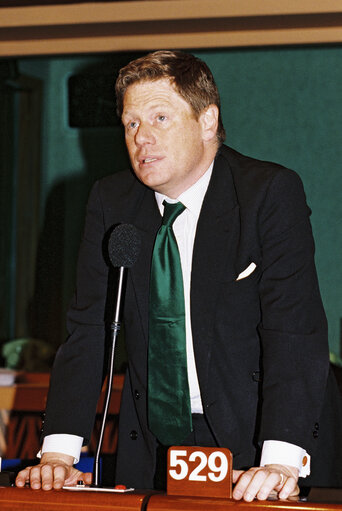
(214, 255)
(147, 220)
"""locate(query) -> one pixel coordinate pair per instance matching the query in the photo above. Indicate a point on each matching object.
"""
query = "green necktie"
(169, 410)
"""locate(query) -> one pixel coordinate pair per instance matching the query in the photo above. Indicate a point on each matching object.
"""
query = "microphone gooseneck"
(123, 250)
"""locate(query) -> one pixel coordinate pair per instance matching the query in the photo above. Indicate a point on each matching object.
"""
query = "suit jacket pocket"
(245, 288)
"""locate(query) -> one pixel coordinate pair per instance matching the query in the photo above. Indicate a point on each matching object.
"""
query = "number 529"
(213, 467)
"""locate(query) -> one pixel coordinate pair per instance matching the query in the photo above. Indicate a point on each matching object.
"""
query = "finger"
(256, 485)
(35, 477)
(273, 481)
(237, 474)
(60, 474)
(242, 484)
(46, 476)
(290, 489)
(22, 477)
(76, 475)
(73, 476)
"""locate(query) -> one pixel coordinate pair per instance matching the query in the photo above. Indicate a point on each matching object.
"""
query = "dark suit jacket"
(260, 343)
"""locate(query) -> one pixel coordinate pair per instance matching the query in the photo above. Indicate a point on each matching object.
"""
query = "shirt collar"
(193, 197)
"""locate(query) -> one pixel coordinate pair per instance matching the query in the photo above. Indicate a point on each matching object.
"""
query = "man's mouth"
(148, 160)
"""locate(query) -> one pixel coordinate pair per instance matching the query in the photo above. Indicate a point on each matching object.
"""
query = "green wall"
(279, 104)
(72, 159)
(284, 105)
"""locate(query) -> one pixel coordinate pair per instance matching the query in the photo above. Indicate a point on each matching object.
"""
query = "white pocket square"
(245, 273)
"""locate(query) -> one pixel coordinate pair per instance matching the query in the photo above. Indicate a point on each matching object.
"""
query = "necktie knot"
(171, 212)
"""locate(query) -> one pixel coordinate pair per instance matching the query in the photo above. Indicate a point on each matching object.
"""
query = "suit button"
(137, 394)
(133, 434)
(256, 376)
(316, 426)
(315, 434)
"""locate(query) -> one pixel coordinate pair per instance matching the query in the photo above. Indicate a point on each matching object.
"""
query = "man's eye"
(161, 118)
(131, 125)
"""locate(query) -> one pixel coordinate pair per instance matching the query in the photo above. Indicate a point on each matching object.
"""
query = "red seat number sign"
(199, 471)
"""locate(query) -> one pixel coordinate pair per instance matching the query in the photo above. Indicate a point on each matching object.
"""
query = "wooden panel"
(31, 396)
(16, 499)
(172, 503)
(144, 25)
(22, 499)
(143, 10)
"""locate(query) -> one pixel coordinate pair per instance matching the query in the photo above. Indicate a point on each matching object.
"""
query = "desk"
(24, 403)
(17, 499)
(20, 499)
(171, 503)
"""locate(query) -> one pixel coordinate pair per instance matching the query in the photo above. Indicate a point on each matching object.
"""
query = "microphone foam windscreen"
(124, 245)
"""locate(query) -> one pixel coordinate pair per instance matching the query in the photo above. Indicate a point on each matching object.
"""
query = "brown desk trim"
(95, 27)
(15, 499)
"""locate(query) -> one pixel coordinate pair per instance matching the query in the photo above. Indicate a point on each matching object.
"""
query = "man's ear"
(209, 122)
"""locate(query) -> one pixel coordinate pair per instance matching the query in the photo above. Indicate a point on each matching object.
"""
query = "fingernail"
(237, 494)
(248, 497)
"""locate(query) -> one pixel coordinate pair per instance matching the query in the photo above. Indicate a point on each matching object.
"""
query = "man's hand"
(54, 471)
(261, 482)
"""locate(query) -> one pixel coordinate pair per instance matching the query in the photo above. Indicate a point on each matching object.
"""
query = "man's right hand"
(53, 472)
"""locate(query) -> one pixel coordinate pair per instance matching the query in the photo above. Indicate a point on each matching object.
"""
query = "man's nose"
(144, 134)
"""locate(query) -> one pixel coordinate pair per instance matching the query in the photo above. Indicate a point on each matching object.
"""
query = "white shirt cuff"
(63, 443)
(283, 453)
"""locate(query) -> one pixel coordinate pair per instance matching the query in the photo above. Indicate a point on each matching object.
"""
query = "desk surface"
(16, 499)
(171, 502)
(19, 499)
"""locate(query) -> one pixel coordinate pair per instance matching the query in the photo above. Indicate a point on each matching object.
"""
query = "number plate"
(199, 471)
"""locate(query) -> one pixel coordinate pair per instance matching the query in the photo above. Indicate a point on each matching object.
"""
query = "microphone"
(123, 251)
(124, 246)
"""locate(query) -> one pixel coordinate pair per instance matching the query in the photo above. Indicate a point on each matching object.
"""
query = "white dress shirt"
(184, 228)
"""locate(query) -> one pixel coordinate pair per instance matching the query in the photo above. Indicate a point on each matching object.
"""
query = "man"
(256, 340)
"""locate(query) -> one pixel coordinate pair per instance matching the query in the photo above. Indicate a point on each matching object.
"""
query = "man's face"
(168, 147)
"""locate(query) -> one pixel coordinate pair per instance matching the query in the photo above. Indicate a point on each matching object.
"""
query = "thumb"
(88, 477)
(76, 475)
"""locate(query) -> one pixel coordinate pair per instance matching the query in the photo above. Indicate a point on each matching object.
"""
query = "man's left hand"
(261, 482)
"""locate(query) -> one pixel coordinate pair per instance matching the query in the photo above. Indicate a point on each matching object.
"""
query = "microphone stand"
(115, 328)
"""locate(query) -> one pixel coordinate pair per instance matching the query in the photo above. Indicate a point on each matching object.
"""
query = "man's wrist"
(69, 445)
(57, 458)
(284, 453)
